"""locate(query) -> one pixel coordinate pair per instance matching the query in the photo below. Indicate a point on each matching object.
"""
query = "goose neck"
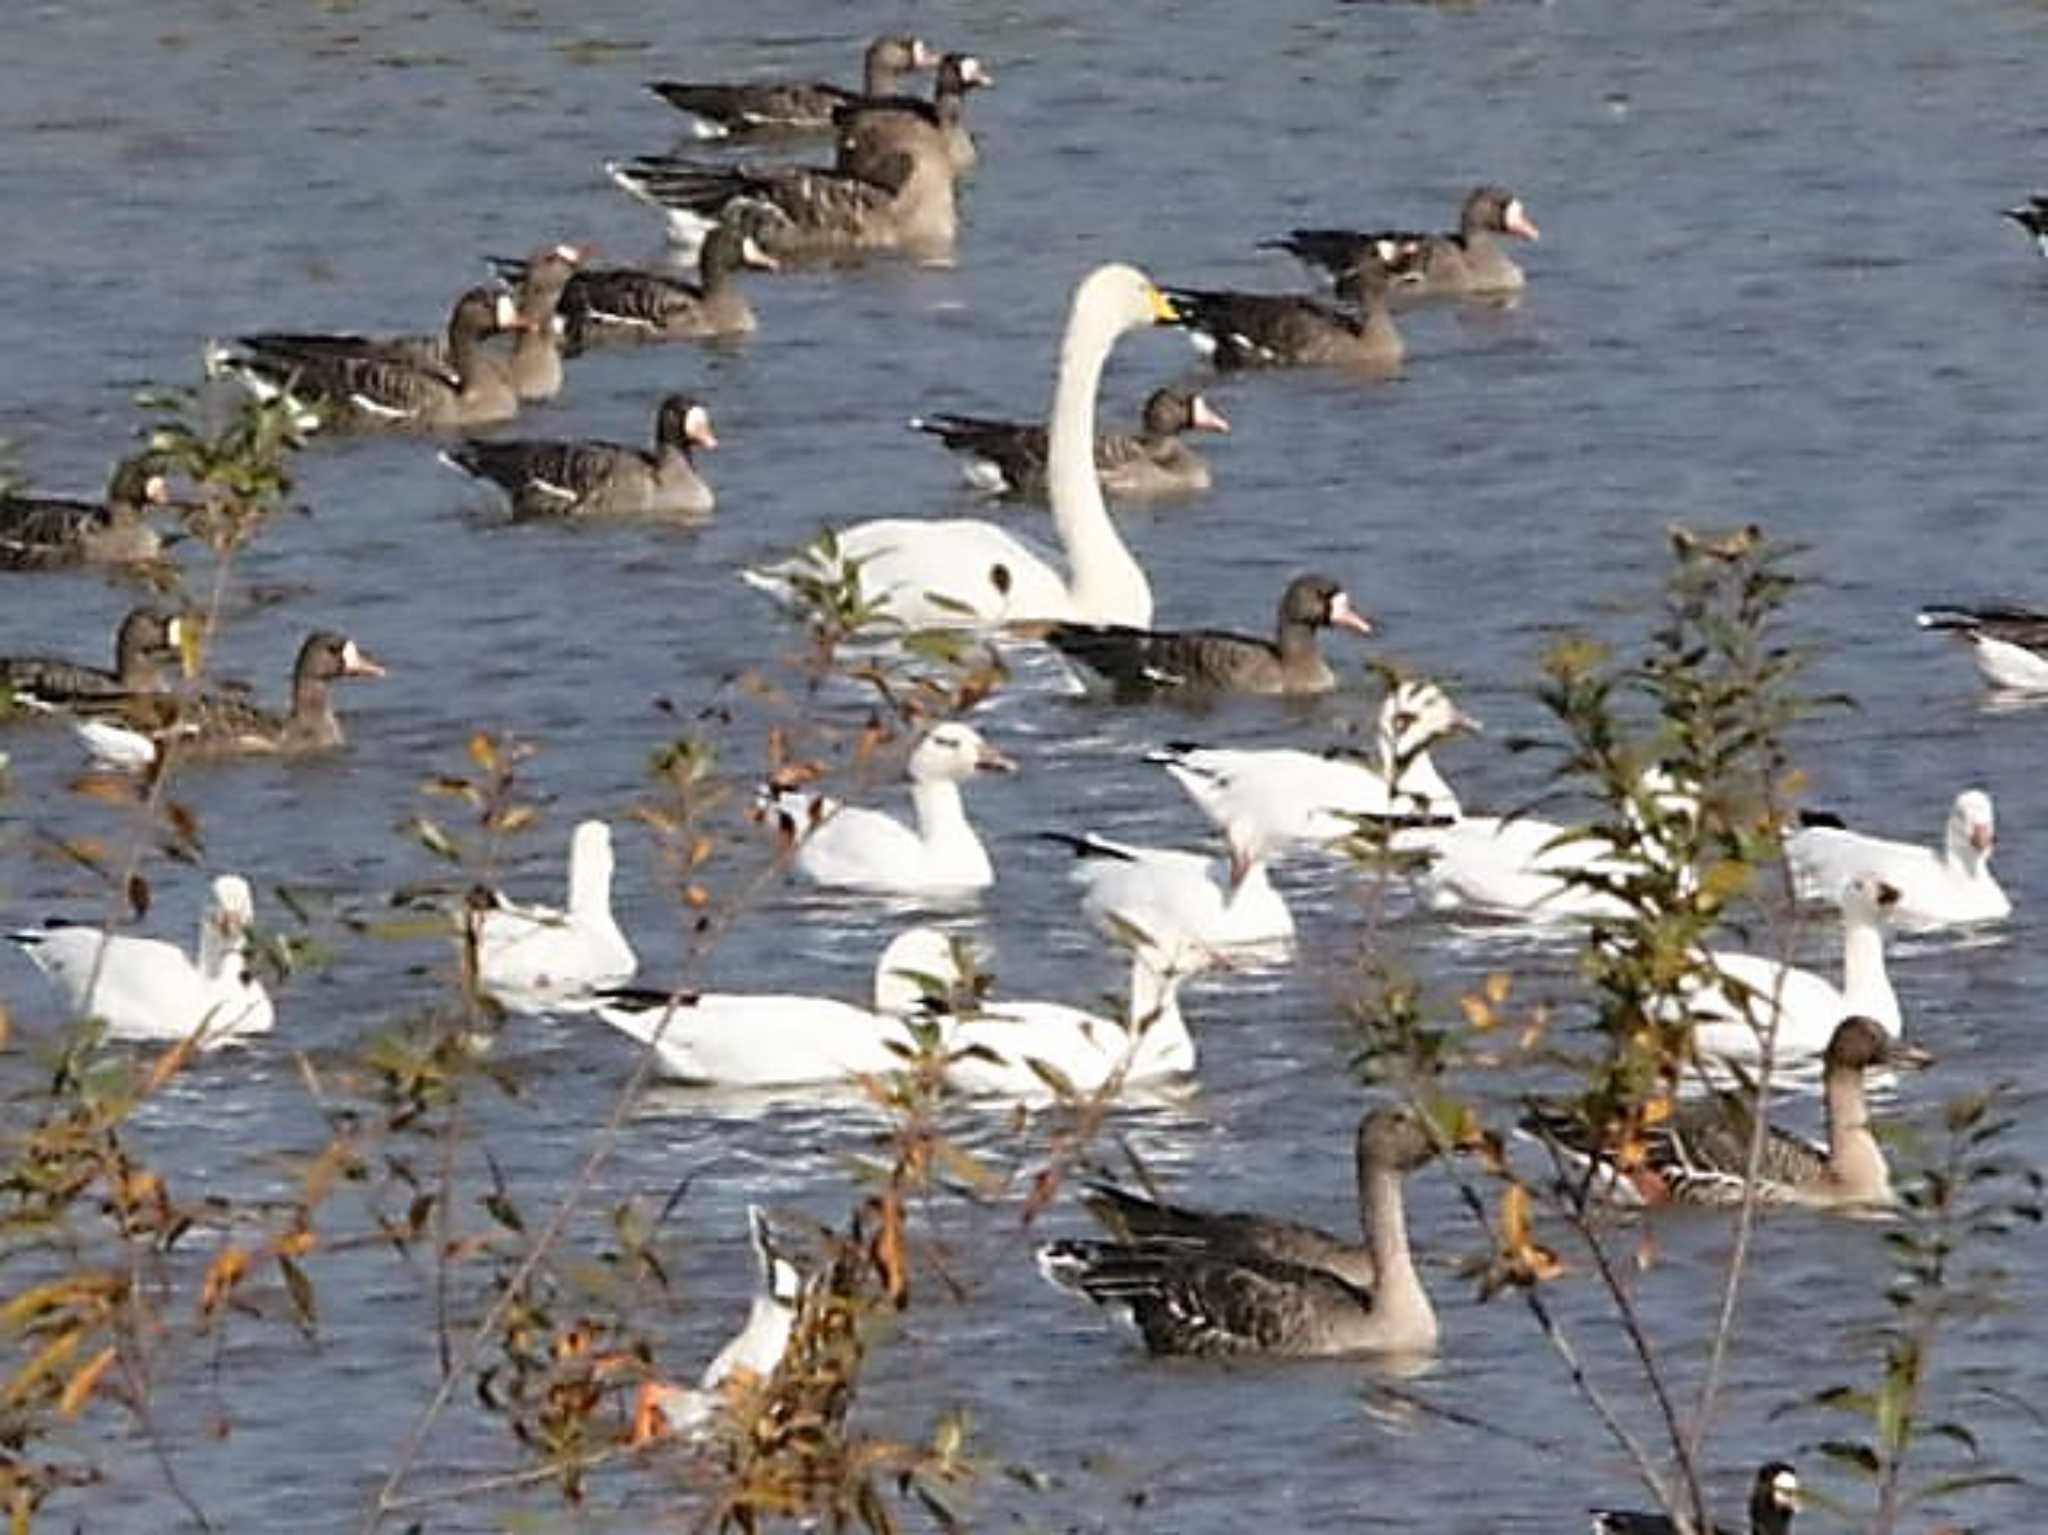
(941, 813)
(590, 887)
(1856, 1162)
(1383, 1214)
(1866, 987)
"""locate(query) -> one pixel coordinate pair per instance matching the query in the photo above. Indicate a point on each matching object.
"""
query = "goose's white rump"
(145, 989)
(966, 573)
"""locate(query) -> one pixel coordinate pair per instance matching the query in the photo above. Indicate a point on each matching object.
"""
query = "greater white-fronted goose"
(1265, 330)
(901, 200)
(1008, 458)
(1696, 1155)
(1774, 1498)
(1213, 1293)
(2032, 216)
(2008, 643)
(1936, 888)
(147, 638)
(970, 573)
(135, 729)
(51, 532)
(546, 959)
(536, 362)
(359, 381)
(1470, 261)
(881, 123)
(601, 479)
(146, 989)
(1143, 663)
(787, 106)
(850, 848)
(607, 304)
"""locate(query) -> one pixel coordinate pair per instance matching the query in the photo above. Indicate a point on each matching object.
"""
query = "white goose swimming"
(964, 572)
(846, 847)
(1807, 1007)
(537, 959)
(1285, 797)
(146, 989)
(1936, 889)
(745, 1363)
(1168, 896)
(767, 1040)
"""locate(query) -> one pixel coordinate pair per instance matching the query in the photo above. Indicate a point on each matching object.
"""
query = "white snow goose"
(1233, 1285)
(600, 479)
(963, 572)
(1285, 797)
(2009, 644)
(1805, 1007)
(1936, 888)
(792, 106)
(1167, 896)
(850, 848)
(146, 989)
(1698, 1154)
(540, 959)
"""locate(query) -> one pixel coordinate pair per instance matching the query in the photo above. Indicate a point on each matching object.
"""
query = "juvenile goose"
(1284, 797)
(1142, 663)
(613, 304)
(146, 989)
(900, 199)
(135, 728)
(1173, 897)
(785, 106)
(745, 1040)
(1008, 458)
(1697, 1154)
(1211, 1291)
(540, 959)
(1773, 1499)
(1470, 261)
(50, 532)
(747, 1360)
(147, 638)
(357, 381)
(1935, 889)
(2032, 216)
(600, 479)
(962, 572)
(881, 122)
(850, 848)
(1806, 1006)
(1260, 330)
(2009, 644)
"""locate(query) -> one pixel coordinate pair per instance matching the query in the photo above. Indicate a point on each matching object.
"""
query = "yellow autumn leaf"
(1497, 987)
(483, 751)
(1478, 1012)
(78, 1390)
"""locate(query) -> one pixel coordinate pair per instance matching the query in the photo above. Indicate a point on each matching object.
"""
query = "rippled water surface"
(1772, 287)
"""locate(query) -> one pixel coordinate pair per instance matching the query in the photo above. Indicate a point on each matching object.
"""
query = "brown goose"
(606, 304)
(1142, 663)
(135, 729)
(364, 381)
(785, 106)
(536, 363)
(1213, 1292)
(1008, 458)
(147, 638)
(1698, 1154)
(1774, 1497)
(601, 479)
(1470, 261)
(882, 122)
(900, 199)
(49, 532)
(1258, 330)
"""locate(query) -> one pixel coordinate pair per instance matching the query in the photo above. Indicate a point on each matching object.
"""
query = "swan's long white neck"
(1106, 583)
(1866, 987)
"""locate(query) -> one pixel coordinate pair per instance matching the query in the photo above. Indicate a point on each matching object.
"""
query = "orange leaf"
(887, 1250)
(222, 1276)
(80, 1386)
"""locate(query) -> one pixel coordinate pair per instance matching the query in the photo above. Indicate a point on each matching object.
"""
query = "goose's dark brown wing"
(1138, 662)
(766, 106)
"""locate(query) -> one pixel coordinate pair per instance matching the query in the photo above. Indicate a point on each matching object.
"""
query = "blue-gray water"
(1772, 287)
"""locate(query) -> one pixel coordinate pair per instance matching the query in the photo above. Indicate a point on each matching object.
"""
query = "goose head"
(962, 72)
(1317, 602)
(781, 1280)
(1860, 1044)
(326, 656)
(684, 423)
(900, 54)
(954, 753)
(234, 908)
(917, 960)
(1775, 1497)
(1416, 714)
(1394, 1138)
(1868, 899)
(1972, 832)
(1497, 211)
(1169, 412)
(728, 248)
